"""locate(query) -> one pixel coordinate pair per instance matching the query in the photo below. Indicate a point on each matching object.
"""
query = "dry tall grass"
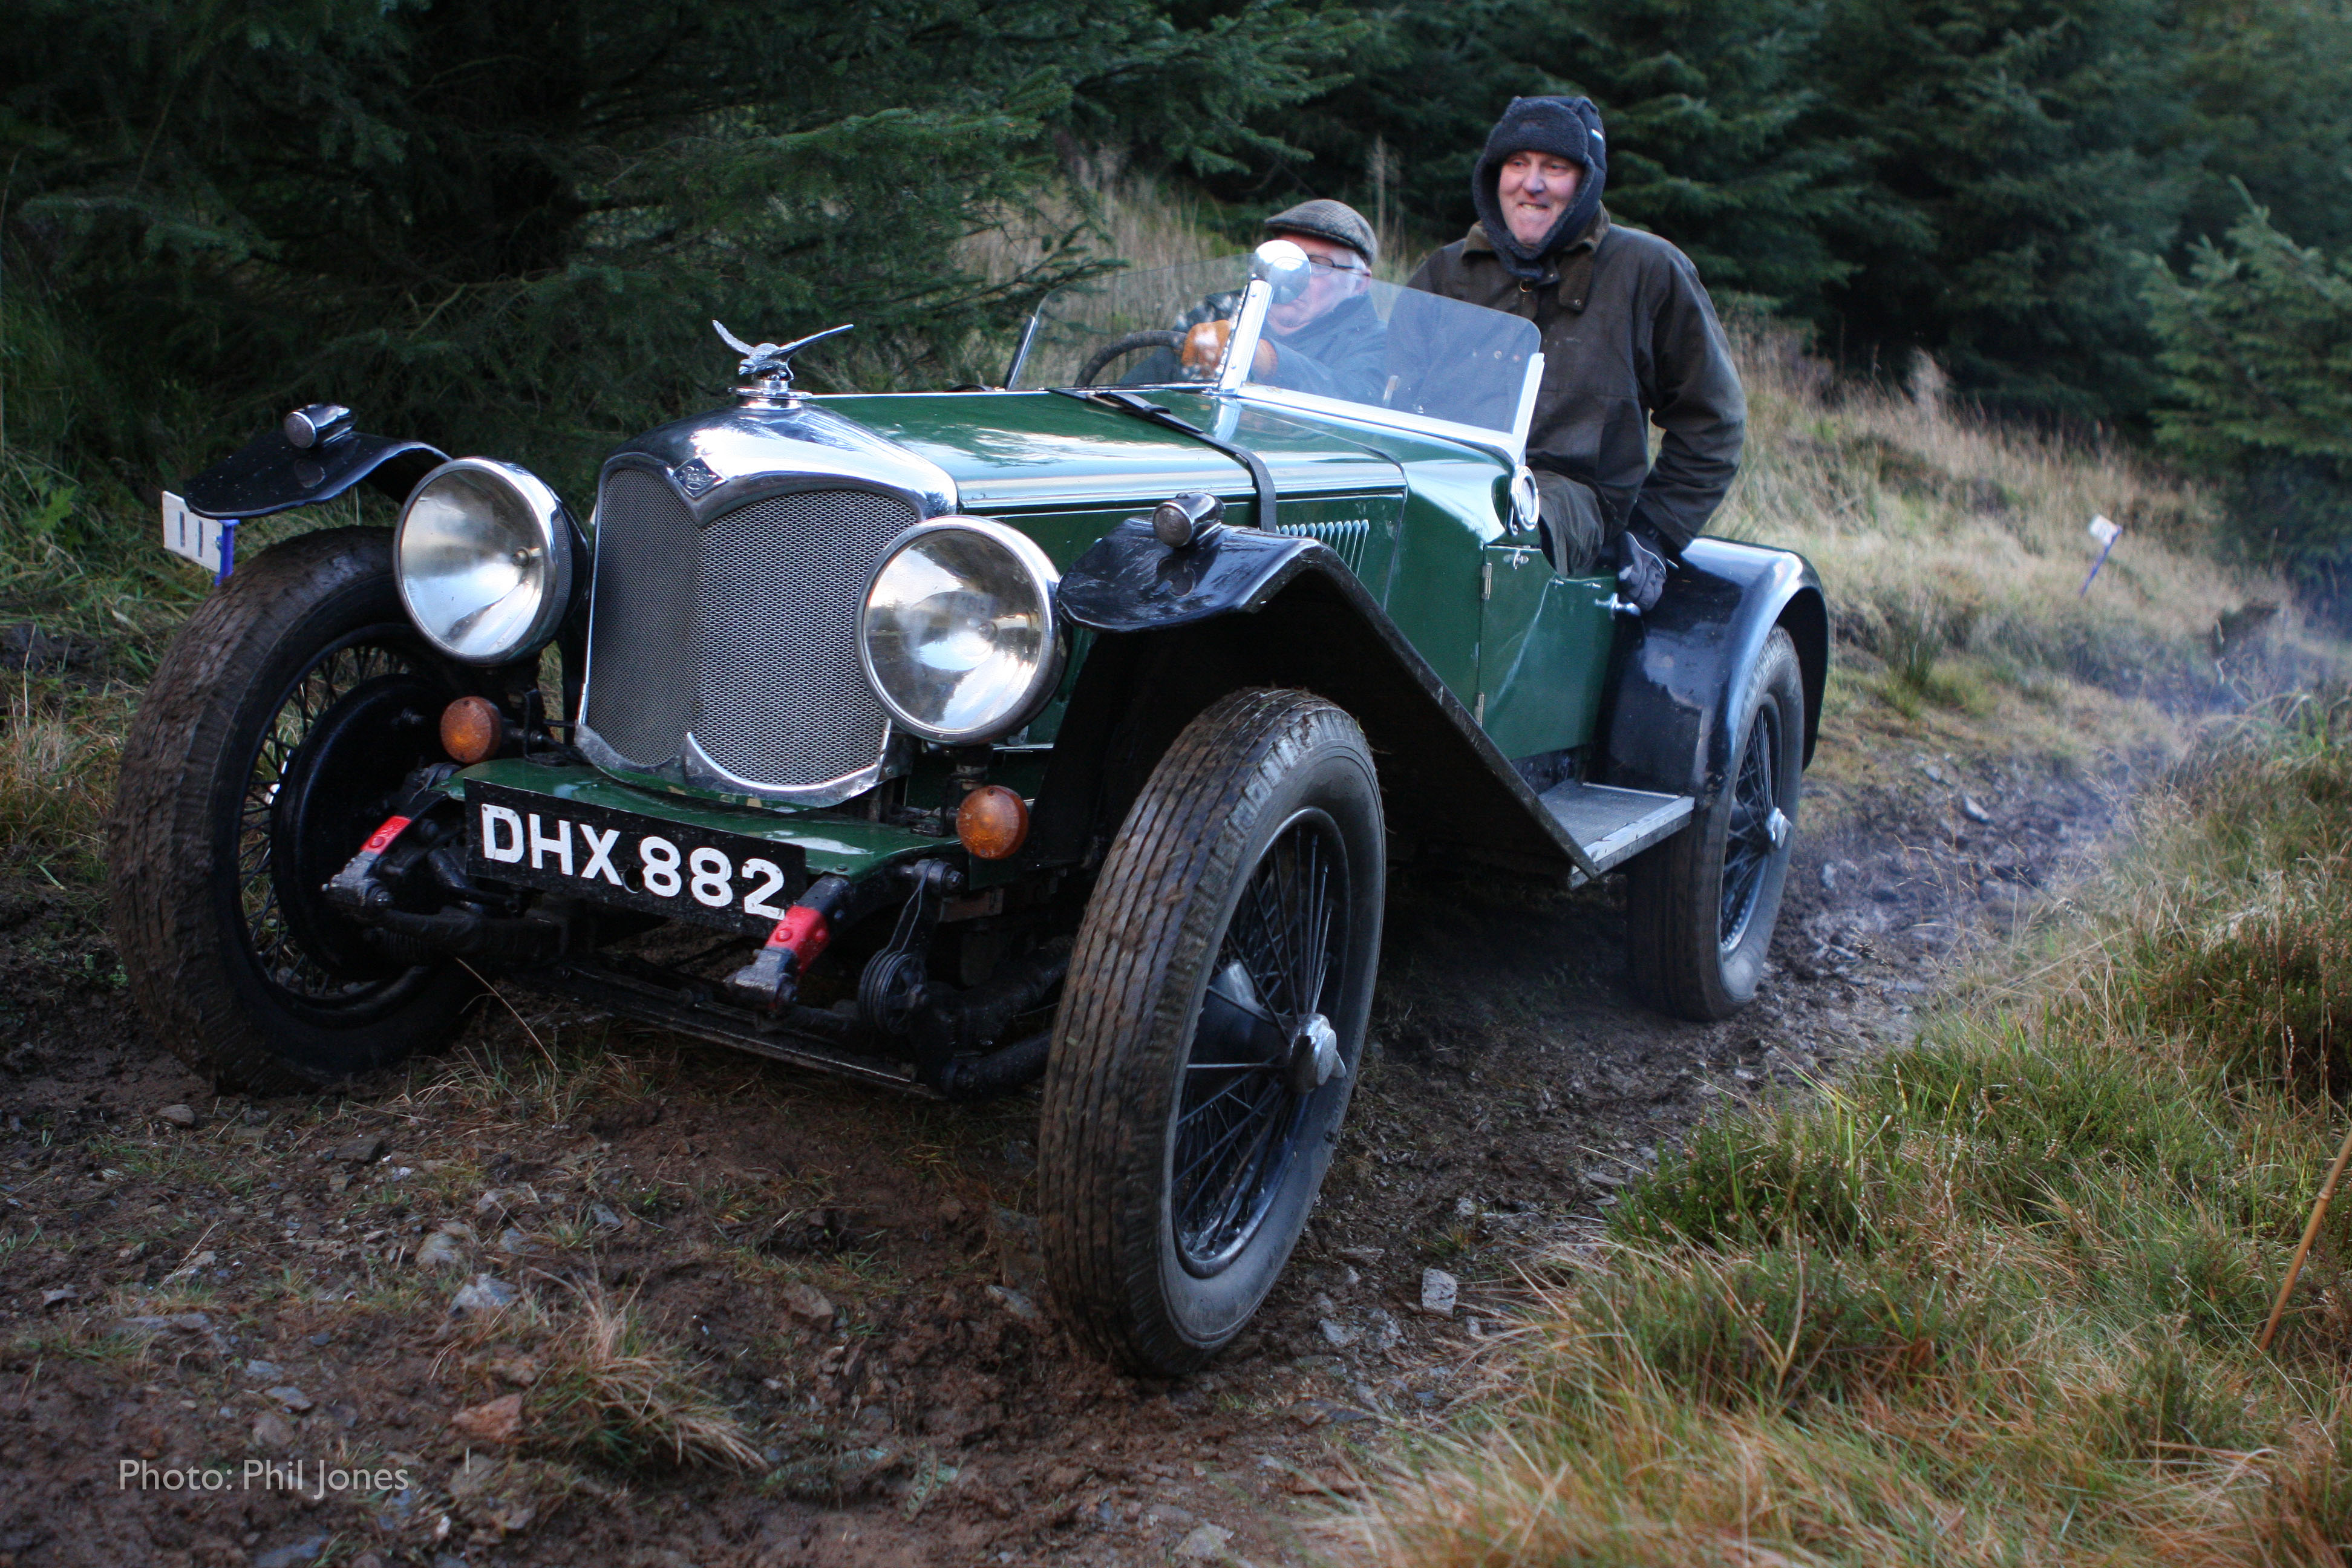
(1993, 1302)
(1937, 532)
(57, 753)
(1101, 209)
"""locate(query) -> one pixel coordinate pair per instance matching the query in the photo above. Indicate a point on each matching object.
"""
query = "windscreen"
(1330, 333)
(1129, 329)
(1349, 338)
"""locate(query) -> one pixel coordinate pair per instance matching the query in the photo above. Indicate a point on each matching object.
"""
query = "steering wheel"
(1157, 338)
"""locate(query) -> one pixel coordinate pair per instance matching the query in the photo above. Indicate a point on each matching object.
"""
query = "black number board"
(725, 879)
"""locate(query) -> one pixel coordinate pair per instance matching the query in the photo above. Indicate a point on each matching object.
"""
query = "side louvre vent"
(1346, 539)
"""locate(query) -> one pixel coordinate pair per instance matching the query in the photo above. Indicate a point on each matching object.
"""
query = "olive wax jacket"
(1629, 336)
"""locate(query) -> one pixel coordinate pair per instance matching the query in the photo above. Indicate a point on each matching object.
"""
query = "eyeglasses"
(1325, 264)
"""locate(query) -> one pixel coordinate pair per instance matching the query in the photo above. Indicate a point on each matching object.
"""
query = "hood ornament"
(767, 368)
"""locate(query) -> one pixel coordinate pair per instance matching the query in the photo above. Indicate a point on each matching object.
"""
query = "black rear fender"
(1668, 723)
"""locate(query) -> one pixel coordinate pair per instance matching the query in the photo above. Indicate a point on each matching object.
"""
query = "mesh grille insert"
(640, 640)
(779, 696)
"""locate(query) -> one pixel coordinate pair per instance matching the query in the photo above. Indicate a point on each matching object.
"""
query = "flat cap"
(1327, 219)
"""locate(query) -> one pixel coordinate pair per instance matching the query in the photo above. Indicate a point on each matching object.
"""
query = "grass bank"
(1955, 551)
(1993, 1299)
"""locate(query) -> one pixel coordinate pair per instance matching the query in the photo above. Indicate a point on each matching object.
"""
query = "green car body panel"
(1418, 519)
(1414, 519)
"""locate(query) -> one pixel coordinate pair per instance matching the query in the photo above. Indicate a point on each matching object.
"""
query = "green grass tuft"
(1994, 1300)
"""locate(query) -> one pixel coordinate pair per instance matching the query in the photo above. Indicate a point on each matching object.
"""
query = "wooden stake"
(2310, 1234)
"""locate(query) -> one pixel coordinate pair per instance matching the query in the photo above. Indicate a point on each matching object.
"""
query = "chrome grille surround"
(728, 649)
(731, 555)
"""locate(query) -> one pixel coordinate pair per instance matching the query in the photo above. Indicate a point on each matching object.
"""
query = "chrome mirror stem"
(1248, 327)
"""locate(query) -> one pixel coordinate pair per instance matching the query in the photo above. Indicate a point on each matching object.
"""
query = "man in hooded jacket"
(1629, 335)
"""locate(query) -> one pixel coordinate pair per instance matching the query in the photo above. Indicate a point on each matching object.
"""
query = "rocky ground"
(493, 1295)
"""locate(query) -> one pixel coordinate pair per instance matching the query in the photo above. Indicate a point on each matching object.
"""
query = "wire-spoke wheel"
(270, 890)
(1208, 1038)
(273, 740)
(1758, 830)
(1701, 906)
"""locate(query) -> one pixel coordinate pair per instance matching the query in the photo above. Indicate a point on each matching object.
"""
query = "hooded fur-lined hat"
(1566, 128)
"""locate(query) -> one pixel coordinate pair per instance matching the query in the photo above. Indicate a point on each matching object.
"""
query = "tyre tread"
(1672, 900)
(161, 826)
(1099, 1177)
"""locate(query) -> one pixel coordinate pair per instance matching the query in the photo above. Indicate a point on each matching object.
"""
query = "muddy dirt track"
(275, 1282)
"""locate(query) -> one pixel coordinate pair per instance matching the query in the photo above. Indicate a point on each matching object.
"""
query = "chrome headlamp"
(958, 634)
(483, 557)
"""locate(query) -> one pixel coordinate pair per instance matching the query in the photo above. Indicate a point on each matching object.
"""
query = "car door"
(1543, 651)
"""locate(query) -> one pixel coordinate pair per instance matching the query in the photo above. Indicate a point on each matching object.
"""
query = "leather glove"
(1205, 345)
(1641, 570)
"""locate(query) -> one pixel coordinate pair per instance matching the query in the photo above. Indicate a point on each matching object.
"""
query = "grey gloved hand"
(1641, 570)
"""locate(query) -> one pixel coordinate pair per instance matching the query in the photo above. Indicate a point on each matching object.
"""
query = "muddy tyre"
(1701, 906)
(1208, 1034)
(273, 740)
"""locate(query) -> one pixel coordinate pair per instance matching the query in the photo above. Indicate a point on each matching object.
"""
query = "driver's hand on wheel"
(1205, 345)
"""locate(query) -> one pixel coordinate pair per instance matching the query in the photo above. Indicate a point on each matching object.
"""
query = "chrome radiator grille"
(743, 632)
(779, 695)
(640, 644)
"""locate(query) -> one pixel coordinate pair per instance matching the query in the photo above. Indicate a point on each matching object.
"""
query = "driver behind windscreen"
(1328, 340)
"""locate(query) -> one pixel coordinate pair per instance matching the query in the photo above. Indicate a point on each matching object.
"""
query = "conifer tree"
(2258, 338)
(2034, 148)
(505, 224)
(1704, 102)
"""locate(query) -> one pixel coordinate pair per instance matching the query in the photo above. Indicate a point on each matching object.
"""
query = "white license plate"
(191, 535)
(726, 880)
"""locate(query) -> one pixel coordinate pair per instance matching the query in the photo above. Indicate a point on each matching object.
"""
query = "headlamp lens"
(959, 636)
(483, 557)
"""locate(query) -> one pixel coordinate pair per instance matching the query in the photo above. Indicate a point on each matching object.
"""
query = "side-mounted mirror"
(1526, 502)
(1282, 263)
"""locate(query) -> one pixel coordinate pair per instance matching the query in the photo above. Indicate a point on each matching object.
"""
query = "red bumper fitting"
(773, 979)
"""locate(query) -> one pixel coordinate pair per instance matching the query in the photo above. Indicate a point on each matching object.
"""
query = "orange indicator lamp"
(992, 823)
(472, 729)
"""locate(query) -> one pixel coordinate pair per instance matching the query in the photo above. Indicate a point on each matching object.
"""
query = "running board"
(1615, 824)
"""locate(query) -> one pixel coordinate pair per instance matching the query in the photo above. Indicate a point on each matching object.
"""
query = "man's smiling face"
(1536, 188)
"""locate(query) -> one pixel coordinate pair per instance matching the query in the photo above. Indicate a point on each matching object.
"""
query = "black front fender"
(1670, 721)
(1127, 580)
(1178, 629)
(270, 474)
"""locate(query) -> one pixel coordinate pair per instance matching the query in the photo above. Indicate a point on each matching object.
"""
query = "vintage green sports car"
(1063, 730)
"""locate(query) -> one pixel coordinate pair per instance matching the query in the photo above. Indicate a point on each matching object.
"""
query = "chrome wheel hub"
(1315, 1054)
